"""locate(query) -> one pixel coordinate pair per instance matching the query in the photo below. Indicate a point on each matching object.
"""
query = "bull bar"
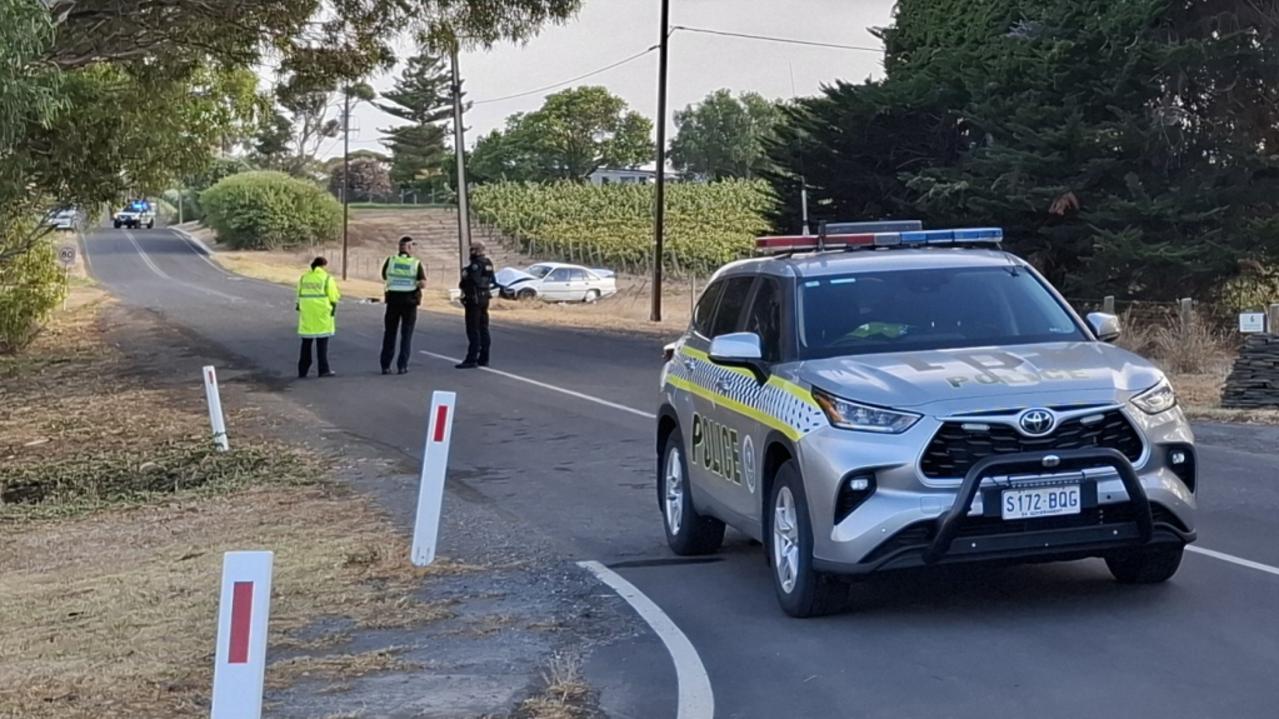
(948, 525)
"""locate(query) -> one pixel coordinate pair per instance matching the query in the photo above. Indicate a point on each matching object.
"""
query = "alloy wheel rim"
(674, 481)
(785, 540)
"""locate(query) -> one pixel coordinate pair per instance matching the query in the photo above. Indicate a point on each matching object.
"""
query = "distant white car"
(64, 219)
(556, 282)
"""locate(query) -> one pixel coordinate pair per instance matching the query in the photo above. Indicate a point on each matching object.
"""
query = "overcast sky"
(607, 31)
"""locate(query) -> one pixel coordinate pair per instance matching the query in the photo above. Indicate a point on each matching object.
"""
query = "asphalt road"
(1047, 641)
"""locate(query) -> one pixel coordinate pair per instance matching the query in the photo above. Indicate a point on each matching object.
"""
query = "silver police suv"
(882, 397)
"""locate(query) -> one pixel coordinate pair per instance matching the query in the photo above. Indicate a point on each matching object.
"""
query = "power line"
(769, 38)
(570, 81)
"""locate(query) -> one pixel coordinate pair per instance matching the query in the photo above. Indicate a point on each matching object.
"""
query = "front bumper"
(910, 521)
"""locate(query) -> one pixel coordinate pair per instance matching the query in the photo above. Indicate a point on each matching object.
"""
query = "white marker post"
(215, 408)
(240, 667)
(435, 462)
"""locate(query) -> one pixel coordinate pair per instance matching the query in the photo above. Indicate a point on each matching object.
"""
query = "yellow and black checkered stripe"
(779, 404)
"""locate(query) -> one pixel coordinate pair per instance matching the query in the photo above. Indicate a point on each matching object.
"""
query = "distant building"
(614, 176)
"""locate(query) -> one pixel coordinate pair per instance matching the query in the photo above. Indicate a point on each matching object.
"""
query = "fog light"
(1181, 460)
(853, 491)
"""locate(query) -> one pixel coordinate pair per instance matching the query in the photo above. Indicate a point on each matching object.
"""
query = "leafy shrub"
(31, 285)
(270, 210)
(707, 225)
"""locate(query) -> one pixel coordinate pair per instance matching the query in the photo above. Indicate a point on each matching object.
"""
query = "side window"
(736, 291)
(577, 275)
(560, 275)
(706, 308)
(765, 318)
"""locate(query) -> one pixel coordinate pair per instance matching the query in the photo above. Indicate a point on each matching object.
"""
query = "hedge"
(270, 210)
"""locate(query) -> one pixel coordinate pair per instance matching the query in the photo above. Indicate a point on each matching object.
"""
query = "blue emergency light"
(870, 237)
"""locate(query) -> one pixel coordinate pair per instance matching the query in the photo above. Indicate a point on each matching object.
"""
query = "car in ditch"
(135, 214)
(882, 397)
(556, 282)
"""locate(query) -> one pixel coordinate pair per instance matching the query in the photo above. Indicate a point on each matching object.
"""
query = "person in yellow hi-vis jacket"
(317, 316)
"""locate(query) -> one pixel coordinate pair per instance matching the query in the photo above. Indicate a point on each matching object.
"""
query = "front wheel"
(1145, 566)
(151, 225)
(525, 295)
(117, 224)
(801, 590)
(687, 532)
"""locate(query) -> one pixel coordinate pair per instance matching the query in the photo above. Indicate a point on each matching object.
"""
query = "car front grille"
(954, 449)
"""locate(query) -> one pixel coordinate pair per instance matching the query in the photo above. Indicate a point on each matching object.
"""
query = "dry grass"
(81, 428)
(335, 667)
(564, 696)
(118, 609)
(112, 612)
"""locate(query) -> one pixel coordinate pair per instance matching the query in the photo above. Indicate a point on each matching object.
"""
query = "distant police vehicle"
(883, 397)
(138, 213)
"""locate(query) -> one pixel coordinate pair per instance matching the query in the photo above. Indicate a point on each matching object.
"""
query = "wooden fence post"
(1272, 320)
(1186, 312)
(1108, 305)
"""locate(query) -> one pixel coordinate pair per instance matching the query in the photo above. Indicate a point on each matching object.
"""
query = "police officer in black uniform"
(477, 285)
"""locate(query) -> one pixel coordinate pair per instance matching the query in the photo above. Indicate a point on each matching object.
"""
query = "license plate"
(1041, 502)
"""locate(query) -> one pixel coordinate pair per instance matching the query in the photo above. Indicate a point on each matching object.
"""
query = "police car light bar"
(802, 243)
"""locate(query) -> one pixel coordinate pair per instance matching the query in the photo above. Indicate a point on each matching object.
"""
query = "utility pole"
(346, 173)
(659, 204)
(803, 202)
(459, 150)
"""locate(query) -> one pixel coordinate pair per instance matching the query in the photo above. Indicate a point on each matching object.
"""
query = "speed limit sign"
(66, 255)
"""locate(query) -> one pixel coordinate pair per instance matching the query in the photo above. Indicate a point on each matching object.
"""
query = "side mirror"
(740, 349)
(1105, 326)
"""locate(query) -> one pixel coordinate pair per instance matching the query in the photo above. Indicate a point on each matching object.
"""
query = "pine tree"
(423, 98)
(1127, 148)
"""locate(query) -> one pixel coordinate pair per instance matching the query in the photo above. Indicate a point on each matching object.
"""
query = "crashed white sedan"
(556, 282)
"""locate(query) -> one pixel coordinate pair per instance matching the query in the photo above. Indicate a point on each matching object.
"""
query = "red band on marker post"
(441, 424)
(241, 621)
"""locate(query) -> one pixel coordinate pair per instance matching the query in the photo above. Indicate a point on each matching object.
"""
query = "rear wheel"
(687, 532)
(1150, 565)
(592, 296)
(801, 590)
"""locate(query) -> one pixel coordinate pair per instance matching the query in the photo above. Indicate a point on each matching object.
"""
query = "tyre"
(1150, 565)
(688, 532)
(151, 225)
(592, 296)
(117, 224)
(801, 590)
(525, 295)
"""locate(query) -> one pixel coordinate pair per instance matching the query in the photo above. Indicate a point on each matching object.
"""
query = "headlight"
(864, 418)
(1159, 398)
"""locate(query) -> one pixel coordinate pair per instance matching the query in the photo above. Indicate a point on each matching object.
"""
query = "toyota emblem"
(1036, 422)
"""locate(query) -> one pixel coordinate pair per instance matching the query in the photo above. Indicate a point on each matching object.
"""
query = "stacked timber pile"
(1254, 381)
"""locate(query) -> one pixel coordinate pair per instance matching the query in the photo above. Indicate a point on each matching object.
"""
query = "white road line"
(551, 387)
(145, 257)
(1234, 560)
(696, 700)
(155, 268)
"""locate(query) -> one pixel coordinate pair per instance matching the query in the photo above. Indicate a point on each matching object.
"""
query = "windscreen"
(915, 310)
(539, 271)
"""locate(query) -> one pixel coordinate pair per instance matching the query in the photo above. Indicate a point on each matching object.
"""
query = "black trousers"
(400, 318)
(477, 333)
(321, 349)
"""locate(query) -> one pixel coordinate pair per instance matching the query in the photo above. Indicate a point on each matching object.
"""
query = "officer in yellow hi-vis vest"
(317, 316)
(405, 277)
